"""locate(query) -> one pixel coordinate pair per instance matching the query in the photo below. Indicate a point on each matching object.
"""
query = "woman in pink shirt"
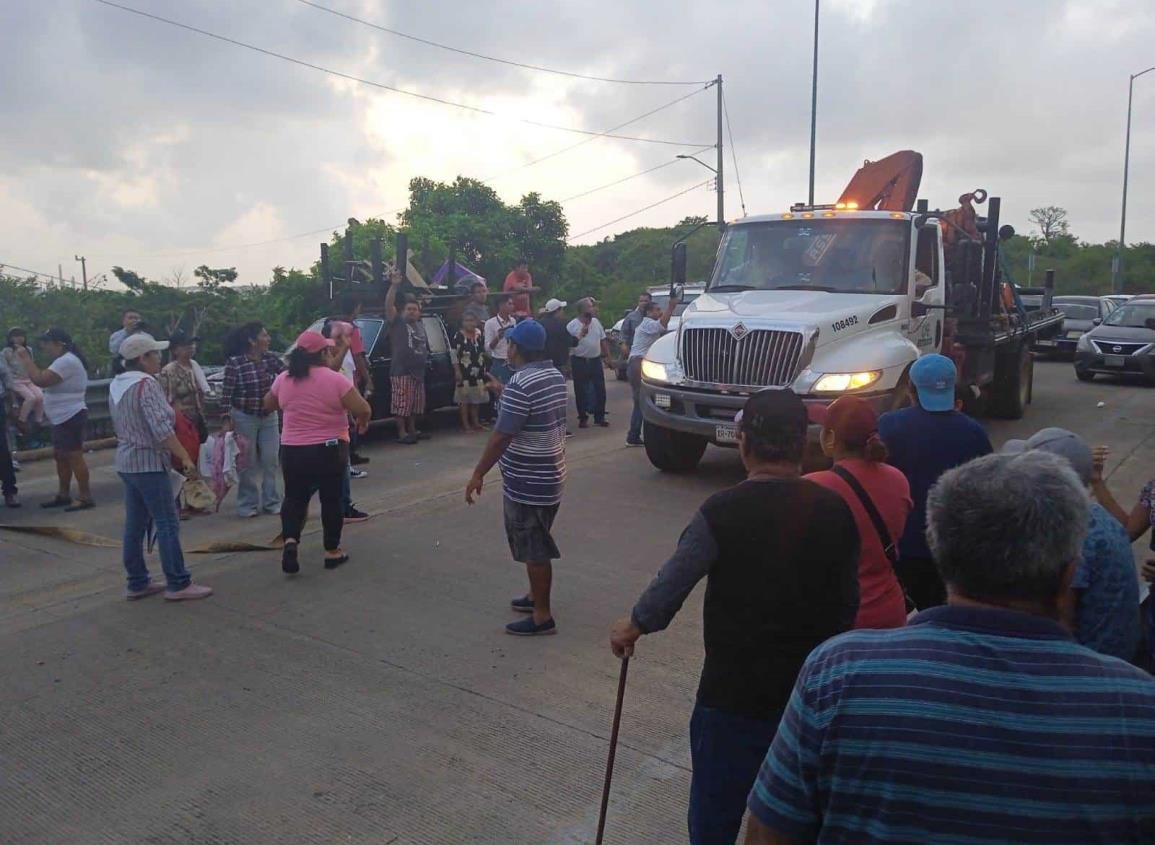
(878, 496)
(314, 401)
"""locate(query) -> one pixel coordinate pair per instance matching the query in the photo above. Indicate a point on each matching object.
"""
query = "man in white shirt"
(588, 358)
(654, 323)
(496, 346)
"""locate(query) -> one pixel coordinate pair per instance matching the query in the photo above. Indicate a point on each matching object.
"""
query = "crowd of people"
(927, 641)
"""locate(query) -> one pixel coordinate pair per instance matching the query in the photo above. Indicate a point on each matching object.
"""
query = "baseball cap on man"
(528, 334)
(553, 305)
(139, 344)
(313, 341)
(933, 377)
(1057, 441)
(851, 418)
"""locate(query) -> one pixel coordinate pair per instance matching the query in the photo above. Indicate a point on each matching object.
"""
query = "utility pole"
(83, 270)
(718, 179)
(814, 102)
(1117, 268)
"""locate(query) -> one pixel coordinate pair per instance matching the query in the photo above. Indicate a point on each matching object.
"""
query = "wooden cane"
(613, 748)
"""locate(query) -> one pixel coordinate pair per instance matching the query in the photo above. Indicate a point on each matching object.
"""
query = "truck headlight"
(842, 382)
(663, 373)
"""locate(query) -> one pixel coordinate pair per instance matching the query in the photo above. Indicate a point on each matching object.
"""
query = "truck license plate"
(1114, 361)
(726, 433)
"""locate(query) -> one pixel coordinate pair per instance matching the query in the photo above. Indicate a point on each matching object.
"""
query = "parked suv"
(440, 378)
(1123, 343)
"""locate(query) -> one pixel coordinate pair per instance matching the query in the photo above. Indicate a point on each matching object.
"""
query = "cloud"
(136, 143)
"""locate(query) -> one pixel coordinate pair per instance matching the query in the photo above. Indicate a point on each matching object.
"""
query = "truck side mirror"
(678, 265)
(1098, 321)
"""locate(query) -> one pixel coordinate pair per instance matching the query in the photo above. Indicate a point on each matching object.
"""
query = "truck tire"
(1014, 377)
(672, 451)
(1084, 375)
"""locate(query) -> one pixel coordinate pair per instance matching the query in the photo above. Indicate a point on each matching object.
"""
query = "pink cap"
(313, 341)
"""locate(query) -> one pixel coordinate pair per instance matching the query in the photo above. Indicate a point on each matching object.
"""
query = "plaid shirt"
(246, 383)
(143, 419)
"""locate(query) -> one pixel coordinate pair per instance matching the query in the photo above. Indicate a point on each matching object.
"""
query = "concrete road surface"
(382, 703)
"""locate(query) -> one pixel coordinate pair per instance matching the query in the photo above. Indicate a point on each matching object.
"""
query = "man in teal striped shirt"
(982, 721)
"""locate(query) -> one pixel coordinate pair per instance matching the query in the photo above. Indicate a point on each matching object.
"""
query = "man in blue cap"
(924, 441)
(529, 442)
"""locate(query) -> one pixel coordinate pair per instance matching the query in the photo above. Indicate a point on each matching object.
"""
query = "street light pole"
(813, 103)
(718, 170)
(1117, 275)
(83, 270)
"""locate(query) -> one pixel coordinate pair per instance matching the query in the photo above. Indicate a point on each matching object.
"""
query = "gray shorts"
(527, 527)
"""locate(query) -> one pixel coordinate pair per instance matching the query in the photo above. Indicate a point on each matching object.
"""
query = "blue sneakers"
(522, 605)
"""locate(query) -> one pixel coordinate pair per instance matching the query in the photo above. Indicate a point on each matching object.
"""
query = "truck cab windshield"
(837, 255)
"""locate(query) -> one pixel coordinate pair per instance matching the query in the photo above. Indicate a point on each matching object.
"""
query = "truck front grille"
(762, 358)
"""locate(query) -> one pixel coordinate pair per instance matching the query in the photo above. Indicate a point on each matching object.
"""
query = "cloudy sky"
(140, 144)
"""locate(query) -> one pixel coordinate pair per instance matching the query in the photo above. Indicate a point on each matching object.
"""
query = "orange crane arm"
(889, 184)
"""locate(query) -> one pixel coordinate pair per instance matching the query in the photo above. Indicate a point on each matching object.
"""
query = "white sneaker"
(189, 593)
(357, 473)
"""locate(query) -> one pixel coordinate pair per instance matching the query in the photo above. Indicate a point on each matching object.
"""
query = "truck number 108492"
(844, 324)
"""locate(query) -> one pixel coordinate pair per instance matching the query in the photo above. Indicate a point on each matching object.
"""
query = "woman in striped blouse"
(146, 444)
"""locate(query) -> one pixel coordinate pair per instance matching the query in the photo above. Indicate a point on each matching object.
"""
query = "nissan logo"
(1116, 348)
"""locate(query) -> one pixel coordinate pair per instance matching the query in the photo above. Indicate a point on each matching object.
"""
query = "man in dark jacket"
(780, 555)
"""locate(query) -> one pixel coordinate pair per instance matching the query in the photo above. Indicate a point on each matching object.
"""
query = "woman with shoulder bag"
(146, 448)
(879, 497)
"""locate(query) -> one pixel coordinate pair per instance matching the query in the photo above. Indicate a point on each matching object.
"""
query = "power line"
(5, 266)
(626, 178)
(734, 154)
(639, 211)
(462, 52)
(382, 85)
(605, 134)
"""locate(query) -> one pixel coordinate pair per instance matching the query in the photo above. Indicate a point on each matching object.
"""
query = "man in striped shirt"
(981, 721)
(529, 442)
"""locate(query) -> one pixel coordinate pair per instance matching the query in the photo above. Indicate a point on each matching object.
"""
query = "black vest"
(786, 578)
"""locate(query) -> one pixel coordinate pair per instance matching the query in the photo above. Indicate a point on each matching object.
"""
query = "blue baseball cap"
(528, 334)
(933, 376)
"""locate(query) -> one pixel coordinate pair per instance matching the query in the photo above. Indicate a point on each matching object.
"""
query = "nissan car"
(1123, 344)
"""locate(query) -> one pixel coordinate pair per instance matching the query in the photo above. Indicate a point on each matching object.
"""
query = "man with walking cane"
(780, 555)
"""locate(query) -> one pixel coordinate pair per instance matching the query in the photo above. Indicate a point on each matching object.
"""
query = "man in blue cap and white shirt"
(924, 441)
(529, 442)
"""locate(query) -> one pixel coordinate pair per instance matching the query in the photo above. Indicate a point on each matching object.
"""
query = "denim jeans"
(727, 750)
(634, 370)
(148, 498)
(589, 388)
(262, 467)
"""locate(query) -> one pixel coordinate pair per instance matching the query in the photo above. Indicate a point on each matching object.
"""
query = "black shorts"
(69, 435)
(527, 527)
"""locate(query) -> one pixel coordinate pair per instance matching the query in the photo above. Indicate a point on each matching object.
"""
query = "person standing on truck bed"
(519, 282)
(780, 555)
(410, 348)
(924, 441)
(588, 358)
(476, 305)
